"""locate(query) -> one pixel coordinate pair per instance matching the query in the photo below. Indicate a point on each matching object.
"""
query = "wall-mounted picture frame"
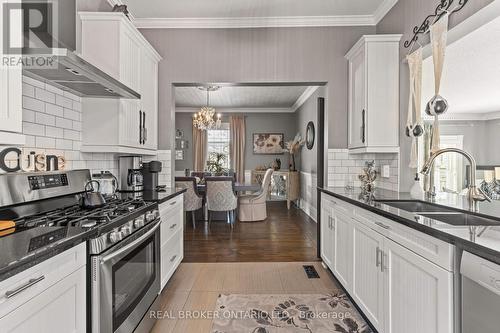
(268, 143)
(179, 155)
(179, 133)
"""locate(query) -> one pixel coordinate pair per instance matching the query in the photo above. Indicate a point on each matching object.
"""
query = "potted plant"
(215, 164)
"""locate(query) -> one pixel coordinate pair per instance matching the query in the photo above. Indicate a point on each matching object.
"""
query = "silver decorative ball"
(436, 106)
(414, 131)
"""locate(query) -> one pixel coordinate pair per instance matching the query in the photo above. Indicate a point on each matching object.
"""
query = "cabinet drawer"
(172, 221)
(337, 204)
(40, 278)
(60, 308)
(171, 205)
(437, 251)
(171, 256)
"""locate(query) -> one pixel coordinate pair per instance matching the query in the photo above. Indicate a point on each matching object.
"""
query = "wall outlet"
(386, 171)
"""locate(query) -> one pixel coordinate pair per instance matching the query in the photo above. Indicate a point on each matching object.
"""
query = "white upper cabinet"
(11, 113)
(374, 94)
(112, 43)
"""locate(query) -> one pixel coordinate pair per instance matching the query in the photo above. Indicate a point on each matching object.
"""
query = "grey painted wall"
(308, 112)
(479, 138)
(401, 19)
(256, 55)
(255, 123)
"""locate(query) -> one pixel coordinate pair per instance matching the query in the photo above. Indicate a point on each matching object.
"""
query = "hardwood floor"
(286, 235)
(196, 286)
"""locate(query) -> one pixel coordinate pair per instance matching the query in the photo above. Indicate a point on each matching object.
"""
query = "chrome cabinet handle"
(329, 222)
(30, 283)
(383, 225)
(173, 226)
(363, 126)
(377, 261)
(382, 259)
(173, 203)
(173, 258)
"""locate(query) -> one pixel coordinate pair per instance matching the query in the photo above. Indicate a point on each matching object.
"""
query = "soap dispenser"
(416, 191)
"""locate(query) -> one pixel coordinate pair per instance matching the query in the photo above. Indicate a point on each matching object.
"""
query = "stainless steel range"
(124, 248)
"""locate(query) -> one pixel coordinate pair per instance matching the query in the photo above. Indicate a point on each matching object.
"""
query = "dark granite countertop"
(487, 246)
(161, 197)
(26, 247)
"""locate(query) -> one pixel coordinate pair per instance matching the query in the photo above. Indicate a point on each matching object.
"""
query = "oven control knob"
(150, 216)
(139, 222)
(126, 230)
(115, 236)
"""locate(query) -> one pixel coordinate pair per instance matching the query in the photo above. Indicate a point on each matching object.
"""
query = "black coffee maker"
(150, 171)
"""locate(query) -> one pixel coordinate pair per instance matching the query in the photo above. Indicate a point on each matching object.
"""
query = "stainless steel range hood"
(70, 72)
(73, 74)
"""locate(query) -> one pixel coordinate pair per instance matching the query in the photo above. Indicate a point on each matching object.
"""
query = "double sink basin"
(440, 213)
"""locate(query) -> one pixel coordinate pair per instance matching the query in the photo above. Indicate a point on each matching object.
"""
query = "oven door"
(126, 281)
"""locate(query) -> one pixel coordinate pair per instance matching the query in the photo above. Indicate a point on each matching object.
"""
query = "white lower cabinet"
(368, 279)
(171, 237)
(327, 232)
(49, 297)
(342, 248)
(419, 293)
(397, 289)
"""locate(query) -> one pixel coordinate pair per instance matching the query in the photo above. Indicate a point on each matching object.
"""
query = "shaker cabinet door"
(368, 279)
(357, 106)
(419, 293)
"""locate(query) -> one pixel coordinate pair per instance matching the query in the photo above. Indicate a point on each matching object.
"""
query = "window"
(218, 142)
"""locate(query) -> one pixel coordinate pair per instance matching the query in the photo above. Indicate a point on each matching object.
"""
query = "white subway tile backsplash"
(55, 110)
(70, 114)
(64, 123)
(33, 82)
(52, 124)
(64, 102)
(344, 167)
(33, 104)
(71, 134)
(54, 132)
(45, 119)
(44, 95)
(33, 129)
(28, 115)
(28, 90)
(64, 144)
(44, 142)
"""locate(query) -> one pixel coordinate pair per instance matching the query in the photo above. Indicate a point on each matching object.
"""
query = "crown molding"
(253, 22)
(382, 10)
(261, 22)
(304, 97)
(236, 110)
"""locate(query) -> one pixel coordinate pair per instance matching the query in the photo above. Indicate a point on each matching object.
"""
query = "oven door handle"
(131, 245)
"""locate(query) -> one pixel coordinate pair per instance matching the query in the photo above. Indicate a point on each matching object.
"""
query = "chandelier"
(205, 119)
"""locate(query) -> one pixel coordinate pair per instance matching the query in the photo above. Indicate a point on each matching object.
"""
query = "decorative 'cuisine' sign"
(31, 162)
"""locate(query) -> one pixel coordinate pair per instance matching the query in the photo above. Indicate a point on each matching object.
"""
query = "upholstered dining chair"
(192, 200)
(252, 207)
(221, 197)
(201, 174)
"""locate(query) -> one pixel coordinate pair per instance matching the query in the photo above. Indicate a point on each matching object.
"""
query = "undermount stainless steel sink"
(447, 215)
(462, 219)
(415, 206)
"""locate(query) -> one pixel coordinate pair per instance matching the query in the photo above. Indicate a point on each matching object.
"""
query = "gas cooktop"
(75, 216)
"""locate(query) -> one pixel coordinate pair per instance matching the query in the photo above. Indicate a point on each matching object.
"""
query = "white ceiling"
(255, 13)
(471, 76)
(242, 97)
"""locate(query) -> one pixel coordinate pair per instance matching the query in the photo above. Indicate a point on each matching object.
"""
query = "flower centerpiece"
(293, 147)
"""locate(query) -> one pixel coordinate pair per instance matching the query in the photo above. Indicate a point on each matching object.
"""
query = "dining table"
(238, 187)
